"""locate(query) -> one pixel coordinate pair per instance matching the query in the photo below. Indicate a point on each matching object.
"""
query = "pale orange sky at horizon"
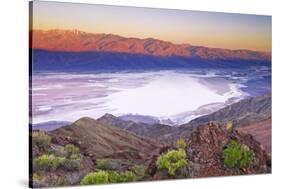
(211, 29)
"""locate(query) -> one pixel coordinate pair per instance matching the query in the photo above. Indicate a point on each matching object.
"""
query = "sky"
(211, 29)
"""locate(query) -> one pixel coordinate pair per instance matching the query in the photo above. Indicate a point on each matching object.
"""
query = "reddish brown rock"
(205, 147)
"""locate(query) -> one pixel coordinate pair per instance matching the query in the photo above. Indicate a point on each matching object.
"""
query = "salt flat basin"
(171, 93)
(162, 94)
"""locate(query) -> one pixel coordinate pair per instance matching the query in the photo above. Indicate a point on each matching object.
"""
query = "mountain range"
(78, 41)
(73, 49)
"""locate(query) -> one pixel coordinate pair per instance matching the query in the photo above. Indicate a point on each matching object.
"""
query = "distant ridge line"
(79, 41)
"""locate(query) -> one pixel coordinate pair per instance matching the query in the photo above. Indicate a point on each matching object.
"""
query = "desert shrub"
(172, 161)
(232, 154)
(100, 177)
(47, 162)
(112, 164)
(181, 143)
(71, 149)
(236, 155)
(71, 164)
(127, 176)
(58, 151)
(102, 164)
(41, 139)
(247, 156)
(113, 177)
(229, 126)
(139, 171)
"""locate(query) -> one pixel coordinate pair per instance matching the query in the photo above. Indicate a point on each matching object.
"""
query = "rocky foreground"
(107, 148)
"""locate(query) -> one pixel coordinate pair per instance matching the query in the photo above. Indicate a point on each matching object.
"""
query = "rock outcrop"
(205, 154)
(205, 147)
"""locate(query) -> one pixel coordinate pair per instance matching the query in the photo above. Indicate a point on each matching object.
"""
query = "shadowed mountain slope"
(44, 60)
(154, 131)
(101, 140)
(242, 113)
(261, 131)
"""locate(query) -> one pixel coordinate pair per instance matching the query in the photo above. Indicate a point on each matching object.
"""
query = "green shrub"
(71, 149)
(71, 164)
(236, 155)
(127, 176)
(100, 177)
(172, 161)
(47, 162)
(102, 164)
(112, 164)
(139, 171)
(232, 154)
(247, 156)
(41, 139)
(58, 151)
(113, 177)
(51, 162)
(181, 143)
(229, 126)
